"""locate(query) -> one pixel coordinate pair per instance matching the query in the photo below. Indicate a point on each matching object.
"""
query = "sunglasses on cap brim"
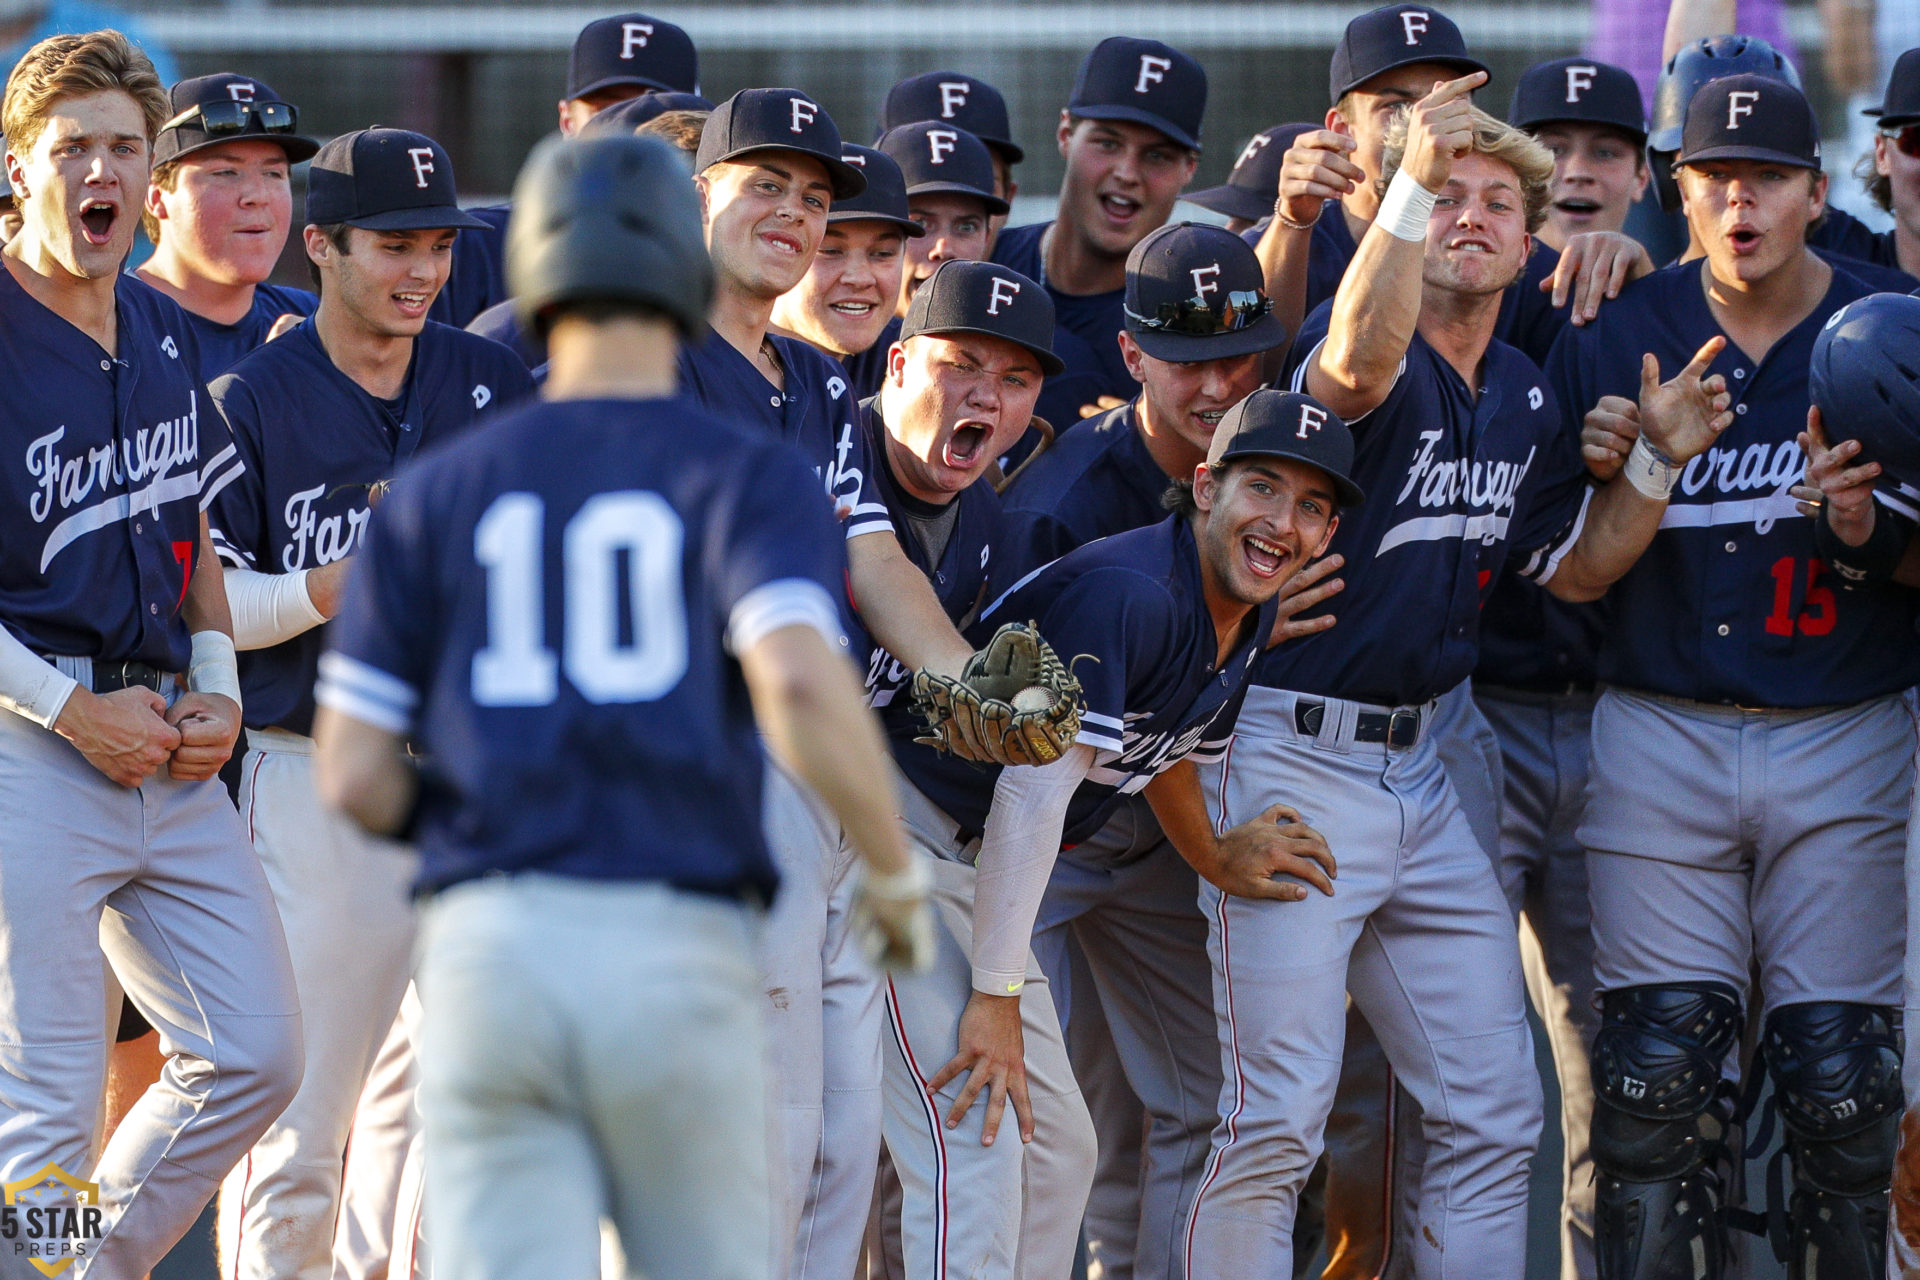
(1189, 317)
(220, 119)
(1904, 137)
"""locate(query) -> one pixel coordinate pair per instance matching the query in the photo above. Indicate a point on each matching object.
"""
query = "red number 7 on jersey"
(1820, 610)
(183, 552)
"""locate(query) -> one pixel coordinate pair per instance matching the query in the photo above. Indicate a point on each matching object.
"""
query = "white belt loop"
(1337, 724)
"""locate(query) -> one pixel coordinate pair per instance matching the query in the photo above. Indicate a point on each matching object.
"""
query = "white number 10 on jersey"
(517, 669)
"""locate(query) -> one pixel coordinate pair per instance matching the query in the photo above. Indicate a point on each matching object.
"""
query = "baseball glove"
(985, 715)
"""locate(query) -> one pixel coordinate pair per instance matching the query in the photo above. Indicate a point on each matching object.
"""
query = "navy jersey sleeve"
(1107, 623)
(1555, 496)
(237, 514)
(381, 658)
(774, 555)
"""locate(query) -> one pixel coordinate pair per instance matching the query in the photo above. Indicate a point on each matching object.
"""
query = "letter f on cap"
(940, 144)
(1002, 290)
(953, 96)
(633, 35)
(1153, 69)
(1312, 418)
(1579, 80)
(1414, 22)
(422, 158)
(1740, 103)
(803, 113)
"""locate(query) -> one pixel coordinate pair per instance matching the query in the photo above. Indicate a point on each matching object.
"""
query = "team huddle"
(737, 717)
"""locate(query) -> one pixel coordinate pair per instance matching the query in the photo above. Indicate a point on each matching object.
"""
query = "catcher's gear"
(893, 917)
(976, 718)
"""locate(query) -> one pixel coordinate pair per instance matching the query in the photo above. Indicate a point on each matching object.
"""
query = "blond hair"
(73, 66)
(1531, 162)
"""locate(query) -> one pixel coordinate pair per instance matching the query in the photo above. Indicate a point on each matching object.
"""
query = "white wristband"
(213, 667)
(1405, 208)
(1651, 472)
(31, 686)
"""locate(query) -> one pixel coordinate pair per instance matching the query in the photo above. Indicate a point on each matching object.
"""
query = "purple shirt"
(1630, 34)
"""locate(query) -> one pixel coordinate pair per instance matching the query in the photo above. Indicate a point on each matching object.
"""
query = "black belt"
(1400, 728)
(108, 676)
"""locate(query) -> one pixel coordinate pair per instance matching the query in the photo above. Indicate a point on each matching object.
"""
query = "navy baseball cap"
(778, 120)
(1750, 117)
(623, 118)
(224, 107)
(1396, 35)
(1144, 81)
(1254, 184)
(954, 98)
(384, 180)
(1901, 102)
(1286, 424)
(936, 157)
(632, 49)
(985, 297)
(1579, 89)
(1196, 292)
(884, 200)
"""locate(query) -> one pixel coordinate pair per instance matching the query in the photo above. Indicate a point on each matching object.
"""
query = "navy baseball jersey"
(315, 442)
(816, 413)
(1128, 614)
(549, 607)
(111, 461)
(1842, 233)
(1098, 479)
(952, 543)
(1456, 484)
(501, 323)
(478, 278)
(1086, 334)
(1730, 603)
(222, 345)
(1527, 320)
(868, 369)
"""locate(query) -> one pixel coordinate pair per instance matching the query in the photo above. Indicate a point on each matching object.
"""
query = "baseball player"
(1248, 194)
(1893, 183)
(768, 171)
(1130, 136)
(1535, 680)
(218, 210)
(950, 197)
(324, 416)
(963, 102)
(1732, 661)
(1590, 116)
(612, 59)
(1460, 430)
(119, 838)
(1162, 624)
(843, 306)
(1864, 395)
(606, 607)
(1331, 186)
(1197, 320)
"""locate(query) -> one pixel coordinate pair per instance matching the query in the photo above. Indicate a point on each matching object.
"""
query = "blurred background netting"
(483, 77)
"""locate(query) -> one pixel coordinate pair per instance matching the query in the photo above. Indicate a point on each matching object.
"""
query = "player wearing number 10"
(579, 618)
(1744, 684)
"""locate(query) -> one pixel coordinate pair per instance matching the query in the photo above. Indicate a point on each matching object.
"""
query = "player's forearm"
(897, 604)
(1181, 810)
(1284, 254)
(1374, 317)
(362, 771)
(1620, 523)
(205, 605)
(270, 608)
(808, 704)
(1016, 857)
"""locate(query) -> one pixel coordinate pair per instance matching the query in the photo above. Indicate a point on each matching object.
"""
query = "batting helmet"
(1865, 378)
(608, 220)
(1708, 58)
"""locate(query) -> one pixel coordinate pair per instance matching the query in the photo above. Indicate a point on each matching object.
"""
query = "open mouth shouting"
(1266, 560)
(97, 220)
(1744, 239)
(1470, 244)
(1119, 210)
(412, 303)
(965, 447)
(1578, 207)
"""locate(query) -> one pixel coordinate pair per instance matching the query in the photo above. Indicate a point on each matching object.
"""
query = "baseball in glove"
(1015, 703)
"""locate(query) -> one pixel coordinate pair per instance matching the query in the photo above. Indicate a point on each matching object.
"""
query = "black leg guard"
(1836, 1076)
(1660, 1120)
